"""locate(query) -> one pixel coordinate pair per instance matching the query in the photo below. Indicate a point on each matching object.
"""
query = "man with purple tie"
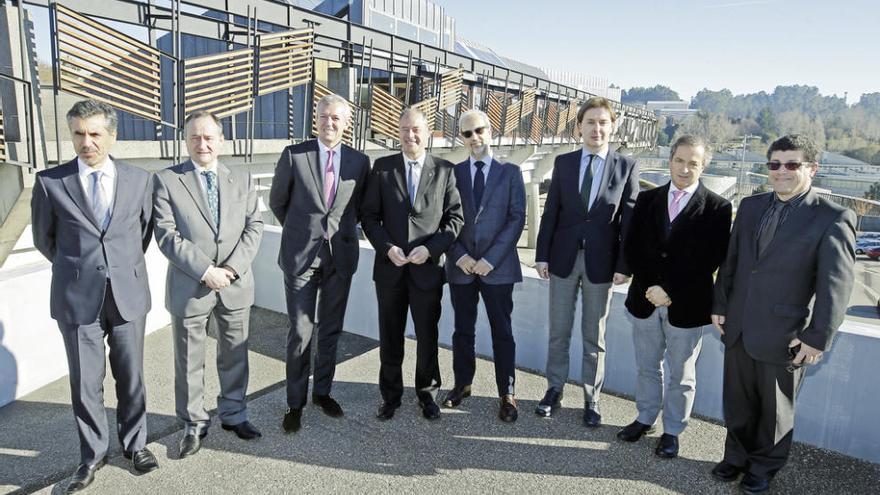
(677, 239)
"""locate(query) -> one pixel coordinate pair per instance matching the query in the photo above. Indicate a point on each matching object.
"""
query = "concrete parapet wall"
(837, 406)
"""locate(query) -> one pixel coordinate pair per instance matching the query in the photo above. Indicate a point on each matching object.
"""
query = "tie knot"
(677, 195)
(479, 165)
(414, 164)
(209, 174)
(97, 175)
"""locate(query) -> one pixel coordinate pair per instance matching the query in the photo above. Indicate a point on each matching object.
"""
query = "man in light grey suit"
(483, 261)
(208, 226)
(790, 251)
(91, 217)
(316, 195)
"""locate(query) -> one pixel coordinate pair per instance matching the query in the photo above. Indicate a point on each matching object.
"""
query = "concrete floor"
(467, 451)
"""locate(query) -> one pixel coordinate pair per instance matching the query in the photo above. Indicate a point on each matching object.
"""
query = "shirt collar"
(585, 153)
(199, 169)
(322, 148)
(108, 168)
(420, 159)
(793, 201)
(487, 160)
(689, 190)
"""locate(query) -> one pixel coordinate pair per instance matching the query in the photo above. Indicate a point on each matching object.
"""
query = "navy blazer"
(491, 229)
(767, 299)
(68, 234)
(680, 256)
(565, 221)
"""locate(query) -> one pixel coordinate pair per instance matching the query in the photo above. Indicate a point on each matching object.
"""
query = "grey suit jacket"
(604, 227)
(188, 237)
(297, 201)
(492, 228)
(68, 234)
(766, 300)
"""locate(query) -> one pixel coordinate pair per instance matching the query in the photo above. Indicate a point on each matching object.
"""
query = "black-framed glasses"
(478, 130)
(792, 166)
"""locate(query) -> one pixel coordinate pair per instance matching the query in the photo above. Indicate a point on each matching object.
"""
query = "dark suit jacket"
(492, 228)
(566, 221)
(187, 236)
(297, 195)
(679, 257)
(766, 300)
(68, 234)
(389, 220)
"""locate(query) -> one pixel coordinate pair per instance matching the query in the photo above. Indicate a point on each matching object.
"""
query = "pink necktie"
(329, 177)
(676, 204)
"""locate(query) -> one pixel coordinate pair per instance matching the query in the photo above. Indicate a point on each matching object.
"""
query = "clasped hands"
(417, 256)
(471, 266)
(657, 296)
(219, 277)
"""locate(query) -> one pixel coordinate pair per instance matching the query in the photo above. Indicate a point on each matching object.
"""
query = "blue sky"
(742, 45)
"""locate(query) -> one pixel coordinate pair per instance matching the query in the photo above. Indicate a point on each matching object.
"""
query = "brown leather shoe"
(508, 411)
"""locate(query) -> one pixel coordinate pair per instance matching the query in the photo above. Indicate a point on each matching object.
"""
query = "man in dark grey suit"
(483, 261)
(316, 195)
(91, 217)
(412, 214)
(585, 220)
(789, 250)
(208, 226)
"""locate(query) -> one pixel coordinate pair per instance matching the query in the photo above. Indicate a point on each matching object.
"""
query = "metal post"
(178, 82)
(56, 77)
(408, 78)
(522, 104)
(503, 123)
(252, 111)
(368, 109)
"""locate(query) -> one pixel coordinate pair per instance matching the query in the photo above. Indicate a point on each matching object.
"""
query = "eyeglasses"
(478, 130)
(788, 165)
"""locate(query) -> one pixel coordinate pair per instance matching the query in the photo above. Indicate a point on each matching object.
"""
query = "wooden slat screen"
(285, 60)
(536, 131)
(450, 88)
(101, 63)
(222, 84)
(523, 107)
(429, 108)
(494, 109)
(322, 91)
(385, 113)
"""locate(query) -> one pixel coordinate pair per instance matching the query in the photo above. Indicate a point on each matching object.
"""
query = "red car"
(873, 253)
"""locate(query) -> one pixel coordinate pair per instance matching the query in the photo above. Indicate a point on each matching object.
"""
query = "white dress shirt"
(108, 181)
(416, 173)
(598, 167)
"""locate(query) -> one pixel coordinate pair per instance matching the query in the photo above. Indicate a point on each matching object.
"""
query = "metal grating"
(2, 139)
(385, 113)
(104, 64)
(285, 60)
(222, 84)
(322, 91)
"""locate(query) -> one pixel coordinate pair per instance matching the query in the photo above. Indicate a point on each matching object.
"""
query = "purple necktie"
(675, 207)
(329, 178)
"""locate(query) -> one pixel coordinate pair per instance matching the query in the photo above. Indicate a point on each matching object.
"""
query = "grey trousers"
(595, 299)
(87, 362)
(232, 366)
(656, 340)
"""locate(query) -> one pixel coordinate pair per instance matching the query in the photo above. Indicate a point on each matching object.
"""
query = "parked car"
(873, 253)
(864, 245)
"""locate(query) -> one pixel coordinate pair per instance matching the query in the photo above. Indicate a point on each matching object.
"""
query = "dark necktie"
(479, 184)
(587, 184)
(765, 237)
(213, 197)
(413, 182)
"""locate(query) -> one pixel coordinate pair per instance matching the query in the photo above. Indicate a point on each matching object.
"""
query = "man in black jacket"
(677, 239)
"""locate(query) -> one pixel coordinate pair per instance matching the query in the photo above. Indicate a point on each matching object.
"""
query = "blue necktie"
(412, 183)
(213, 197)
(100, 205)
(479, 184)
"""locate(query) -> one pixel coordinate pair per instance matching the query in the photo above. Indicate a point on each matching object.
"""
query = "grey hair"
(334, 99)
(474, 113)
(85, 109)
(693, 142)
(415, 112)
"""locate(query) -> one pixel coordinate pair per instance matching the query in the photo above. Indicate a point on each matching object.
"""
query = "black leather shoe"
(190, 444)
(634, 431)
(725, 471)
(292, 420)
(551, 402)
(508, 410)
(667, 446)
(754, 484)
(244, 430)
(328, 405)
(592, 418)
(456, 395)
(430, 409)
(142, 461)
(386, 411)
(83, 476)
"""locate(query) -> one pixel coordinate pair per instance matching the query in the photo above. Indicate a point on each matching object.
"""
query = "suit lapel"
(190, 180)
(693, 207)
(77, 193)
(225, 183)
(425, 181)
(492, 181)
(661, 210)
(465, 186)
(315, 167)
(797, 221)
(605, 181)
(400, 179)
(121, 186)
(570, 175)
